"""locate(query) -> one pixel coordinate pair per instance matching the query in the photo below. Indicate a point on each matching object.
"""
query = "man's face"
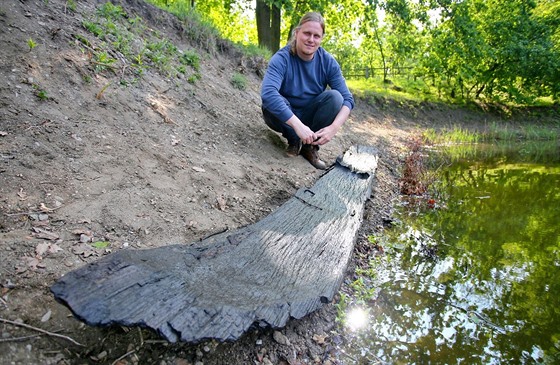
(308, 40)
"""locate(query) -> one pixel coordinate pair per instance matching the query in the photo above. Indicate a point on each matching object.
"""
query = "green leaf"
(101, 244)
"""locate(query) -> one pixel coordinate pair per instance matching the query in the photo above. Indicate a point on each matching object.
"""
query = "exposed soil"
(148, 164)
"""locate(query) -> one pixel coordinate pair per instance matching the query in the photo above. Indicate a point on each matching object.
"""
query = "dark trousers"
(319, 114)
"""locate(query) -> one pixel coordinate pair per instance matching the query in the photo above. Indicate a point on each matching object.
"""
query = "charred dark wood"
(286, 265)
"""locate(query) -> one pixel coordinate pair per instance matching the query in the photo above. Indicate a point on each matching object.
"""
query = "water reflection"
(472, 277)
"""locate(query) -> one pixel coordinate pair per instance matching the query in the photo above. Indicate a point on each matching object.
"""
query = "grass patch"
(192, 59)
(238, 81)
(493, 132)
(203, 32)
(454, 135)
(127, 47)
(399, 88)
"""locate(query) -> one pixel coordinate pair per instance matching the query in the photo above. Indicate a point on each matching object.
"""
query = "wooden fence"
(367, 72)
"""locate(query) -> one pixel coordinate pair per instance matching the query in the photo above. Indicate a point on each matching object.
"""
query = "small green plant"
(192, 79)
(161, 53)
(163, 46)
(111, 27)
(191, 58)
(136, 21)
(93, 27)
(82, 39)
(110, 11)
(31, 44)
(363, 290)
(40, 93)
(341, 308)
(238, 81)
(123, 43)
(71, 4)
(100, 244)
(103, 61)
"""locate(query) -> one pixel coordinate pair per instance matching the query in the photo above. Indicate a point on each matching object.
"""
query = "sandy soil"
(151, 163)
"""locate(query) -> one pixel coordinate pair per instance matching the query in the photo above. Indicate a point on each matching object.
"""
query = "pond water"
(470, 275)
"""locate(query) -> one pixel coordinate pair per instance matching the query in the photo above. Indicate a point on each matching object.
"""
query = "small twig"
(18, 339)
(155, 341)
(141, 337)
(103, 64)
(40, 330)
(100, 93)
(215, 233)
(123, 70)
(47, 210)
(123, 356)
(24, 213)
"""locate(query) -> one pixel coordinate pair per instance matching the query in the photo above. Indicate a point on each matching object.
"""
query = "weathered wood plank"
(286, 265)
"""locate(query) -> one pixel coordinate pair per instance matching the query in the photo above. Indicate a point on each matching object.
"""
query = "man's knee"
(334, 98)
(271, 121)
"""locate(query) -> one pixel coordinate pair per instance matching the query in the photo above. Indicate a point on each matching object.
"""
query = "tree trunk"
(286, 265)
(268, 25)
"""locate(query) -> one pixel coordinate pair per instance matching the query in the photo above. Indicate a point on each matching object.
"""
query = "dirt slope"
(90, 164)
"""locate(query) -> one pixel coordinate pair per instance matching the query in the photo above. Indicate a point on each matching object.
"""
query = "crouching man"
(304, 95)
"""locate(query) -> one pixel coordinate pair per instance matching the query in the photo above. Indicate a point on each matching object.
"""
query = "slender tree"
(268, 19)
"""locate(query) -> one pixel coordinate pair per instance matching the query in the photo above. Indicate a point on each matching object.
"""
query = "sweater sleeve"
(272, 100)
(338, 82)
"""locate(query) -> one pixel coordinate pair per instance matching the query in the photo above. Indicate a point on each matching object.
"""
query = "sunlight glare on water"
(356, 319)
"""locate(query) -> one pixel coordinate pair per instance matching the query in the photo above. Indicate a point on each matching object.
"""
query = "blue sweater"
(299, 81)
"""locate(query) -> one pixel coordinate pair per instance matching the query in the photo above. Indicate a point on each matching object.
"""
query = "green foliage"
(196, 27)
(194, 78)
(487, 50)
(31, 44)
(126, 43)
(103, 61)
(400, 89)
(453, 51)
(93, 27)
(191, 58)
(238, 81)
(40, 93)
(453, 135)
(161, 53)
(341, 307)
(229, 20)
(101, 244)
(71, 4)
(493, 132)
(254, 51)
(110, 11)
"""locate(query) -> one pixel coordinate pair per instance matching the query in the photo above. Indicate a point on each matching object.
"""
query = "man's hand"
(304, 133)
(325, 135)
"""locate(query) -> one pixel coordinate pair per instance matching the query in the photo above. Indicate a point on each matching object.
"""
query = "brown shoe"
(293, 149)
(311, 154)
